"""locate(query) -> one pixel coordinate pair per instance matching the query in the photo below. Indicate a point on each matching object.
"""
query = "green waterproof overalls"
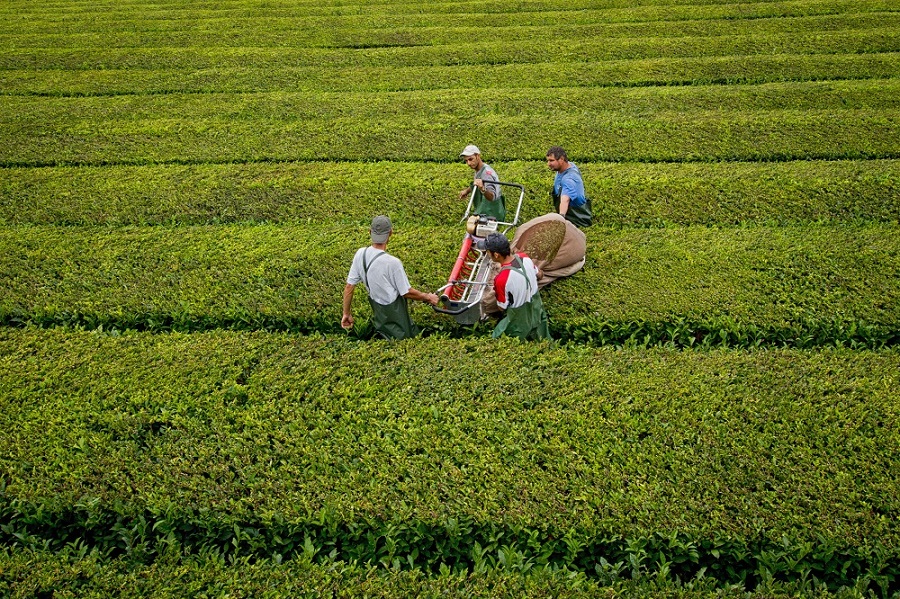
(482, 205)
(580, 216)
(528, 321)
(391, 321)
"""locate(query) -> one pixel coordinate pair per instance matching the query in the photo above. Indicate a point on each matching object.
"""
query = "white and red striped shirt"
(514, 289)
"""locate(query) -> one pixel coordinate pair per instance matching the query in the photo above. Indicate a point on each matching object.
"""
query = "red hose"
(460, 259)
(462, 269)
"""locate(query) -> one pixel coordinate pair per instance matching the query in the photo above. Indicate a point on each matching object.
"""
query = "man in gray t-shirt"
(487, 198)
(387, 285)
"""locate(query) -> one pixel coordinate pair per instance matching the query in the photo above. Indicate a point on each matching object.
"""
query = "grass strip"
(728, 70)
(624, 194)
(682, 286)
(740, 463)
(588, 51)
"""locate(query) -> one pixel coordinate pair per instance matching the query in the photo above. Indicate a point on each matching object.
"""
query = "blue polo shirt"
(570, 183)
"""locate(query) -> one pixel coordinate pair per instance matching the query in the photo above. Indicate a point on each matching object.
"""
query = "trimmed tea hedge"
(861, 41)
(747, 465)
(304, 23)
(736, 287)
(771, 122)
(294, 33)
(612, 10)
(33, 574)
(624, 194)
(861, 97)
(619, 73)
(215, 165)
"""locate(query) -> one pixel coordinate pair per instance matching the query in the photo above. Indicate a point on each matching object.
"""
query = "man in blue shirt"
(568, 194)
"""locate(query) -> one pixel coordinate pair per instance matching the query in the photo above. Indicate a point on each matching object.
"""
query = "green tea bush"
(396, 14)
(29, 574)
(304, 28)
(874, 40)
(740, 464)
(302, 32)
(347, 193)
(772, 122)
(619, 73)
(738, 287)
(198, 167)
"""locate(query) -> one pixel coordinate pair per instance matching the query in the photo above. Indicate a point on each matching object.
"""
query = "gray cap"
(470, 150)
(497, 242)
(381, 229)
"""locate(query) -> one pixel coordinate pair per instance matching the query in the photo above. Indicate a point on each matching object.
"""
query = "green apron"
(482, 205)
(580, 216)
(528, 321)
(391, 321)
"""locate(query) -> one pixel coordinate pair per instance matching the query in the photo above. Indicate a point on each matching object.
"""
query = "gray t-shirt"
(386, 279)
(487, 174)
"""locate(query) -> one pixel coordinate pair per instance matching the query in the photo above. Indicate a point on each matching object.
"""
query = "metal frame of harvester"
(461, 296)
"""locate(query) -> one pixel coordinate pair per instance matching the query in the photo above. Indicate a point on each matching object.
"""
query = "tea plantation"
(183, 185)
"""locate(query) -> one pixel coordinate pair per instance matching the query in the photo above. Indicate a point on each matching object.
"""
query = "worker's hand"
(479, 183)
(431, 298)
(465, 192)
(347, 322)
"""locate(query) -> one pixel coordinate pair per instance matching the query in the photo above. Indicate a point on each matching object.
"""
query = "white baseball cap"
(470, 150)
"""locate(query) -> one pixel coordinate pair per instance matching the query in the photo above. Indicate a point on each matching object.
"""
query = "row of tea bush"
(439, 454)
(739, 287)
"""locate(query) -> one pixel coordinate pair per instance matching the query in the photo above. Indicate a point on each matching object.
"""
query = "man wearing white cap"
(488, 199)
(387, 284)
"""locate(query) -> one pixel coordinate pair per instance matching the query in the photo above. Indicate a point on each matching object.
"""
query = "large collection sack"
(556, 246)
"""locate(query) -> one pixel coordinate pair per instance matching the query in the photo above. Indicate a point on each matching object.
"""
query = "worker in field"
(488, 198)
(387, 285)
(516, 290)
(569, 198)
(556, 247)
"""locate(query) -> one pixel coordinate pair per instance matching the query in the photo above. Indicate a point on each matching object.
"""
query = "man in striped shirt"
(517, 292)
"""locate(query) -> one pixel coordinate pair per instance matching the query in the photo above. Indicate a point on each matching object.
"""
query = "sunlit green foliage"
(719, 417)
(744, 465)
